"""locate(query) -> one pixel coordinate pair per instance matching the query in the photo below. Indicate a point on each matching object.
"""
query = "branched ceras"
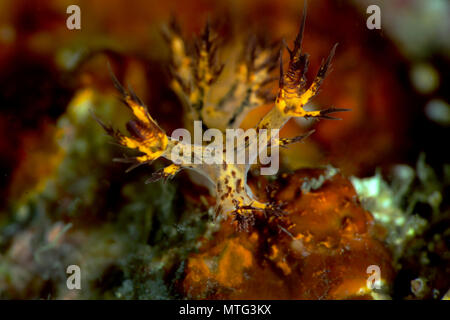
(195, 81)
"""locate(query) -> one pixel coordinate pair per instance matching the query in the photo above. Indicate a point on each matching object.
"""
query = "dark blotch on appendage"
(136, 129)
(238, 185)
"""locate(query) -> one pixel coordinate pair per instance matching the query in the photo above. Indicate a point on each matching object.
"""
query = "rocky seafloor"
(133, 240)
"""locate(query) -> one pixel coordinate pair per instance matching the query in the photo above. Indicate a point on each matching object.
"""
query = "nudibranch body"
(194, 79)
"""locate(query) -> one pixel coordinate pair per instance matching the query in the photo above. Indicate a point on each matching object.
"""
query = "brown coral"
(319, 249)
